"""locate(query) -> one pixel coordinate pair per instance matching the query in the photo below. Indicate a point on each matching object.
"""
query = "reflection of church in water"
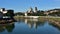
(8, 27)
(34, 23)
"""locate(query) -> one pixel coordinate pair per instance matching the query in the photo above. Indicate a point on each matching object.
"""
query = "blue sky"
(24, 5)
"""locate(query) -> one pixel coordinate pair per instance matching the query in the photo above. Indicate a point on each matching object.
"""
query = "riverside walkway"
(31, 16)
(36, 16)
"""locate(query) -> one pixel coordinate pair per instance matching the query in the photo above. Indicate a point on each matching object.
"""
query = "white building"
(3, 10)
(25, 14)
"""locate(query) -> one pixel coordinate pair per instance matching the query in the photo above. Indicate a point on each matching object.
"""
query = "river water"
(30, 26)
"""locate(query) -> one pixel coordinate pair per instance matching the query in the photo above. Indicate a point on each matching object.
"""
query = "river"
(30, 26)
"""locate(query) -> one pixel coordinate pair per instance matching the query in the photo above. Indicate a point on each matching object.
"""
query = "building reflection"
(32, 23)
(35, 23)
(9, 27)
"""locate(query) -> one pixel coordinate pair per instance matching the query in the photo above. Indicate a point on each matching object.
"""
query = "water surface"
(30, 26)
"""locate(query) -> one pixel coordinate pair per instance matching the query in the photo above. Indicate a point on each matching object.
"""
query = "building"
(35, 10)
(2, 9)
(1, 15)
(25, 14)
(52, 11)
(10, 12)
(6, 13)
(30, 10)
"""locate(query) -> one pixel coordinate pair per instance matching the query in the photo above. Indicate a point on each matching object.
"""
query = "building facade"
(6, 13)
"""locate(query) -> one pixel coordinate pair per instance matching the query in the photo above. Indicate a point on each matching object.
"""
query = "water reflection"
(55, 24)
(8, 27)
(35, 23)
(40, 25)
(7, 24)
(32, 23)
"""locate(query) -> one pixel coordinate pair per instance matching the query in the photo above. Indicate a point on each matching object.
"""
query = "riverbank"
(39, 17)
(36, 17)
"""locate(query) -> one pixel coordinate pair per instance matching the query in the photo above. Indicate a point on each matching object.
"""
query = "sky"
(24, 5)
